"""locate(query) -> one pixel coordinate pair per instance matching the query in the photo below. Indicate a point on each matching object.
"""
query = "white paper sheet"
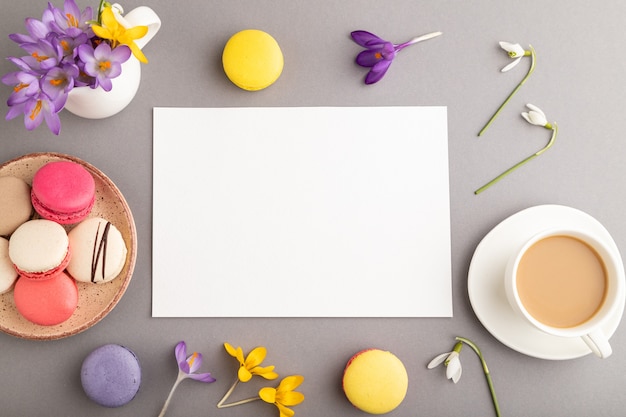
(301, 212)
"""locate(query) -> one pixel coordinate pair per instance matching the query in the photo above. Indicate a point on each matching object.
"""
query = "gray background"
(578, 83)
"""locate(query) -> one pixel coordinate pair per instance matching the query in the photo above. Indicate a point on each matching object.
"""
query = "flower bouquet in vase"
(89, 65)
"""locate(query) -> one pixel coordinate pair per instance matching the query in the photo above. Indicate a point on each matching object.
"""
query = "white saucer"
(486, 281)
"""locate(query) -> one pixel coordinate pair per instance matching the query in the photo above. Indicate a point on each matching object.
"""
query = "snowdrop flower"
(536, 117)
(453, 366)
(516, 52)
(451, 361)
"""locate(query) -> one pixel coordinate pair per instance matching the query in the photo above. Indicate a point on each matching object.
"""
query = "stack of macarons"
(39, 258)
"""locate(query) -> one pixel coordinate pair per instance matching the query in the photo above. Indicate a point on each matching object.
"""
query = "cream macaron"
(8, 274)
(39, 249)
(98, 251)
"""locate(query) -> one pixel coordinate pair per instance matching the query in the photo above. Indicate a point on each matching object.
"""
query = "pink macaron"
(63, 191)
(46, 303)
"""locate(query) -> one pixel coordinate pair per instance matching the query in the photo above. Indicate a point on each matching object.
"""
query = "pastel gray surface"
(578, 82)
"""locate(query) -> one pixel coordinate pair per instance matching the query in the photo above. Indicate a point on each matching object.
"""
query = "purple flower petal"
(71, 8)
(14, 111)
(102, 51)
(181, 352)
(36, 29)
(121, 54)
(184, 367)
(369, 57)
(389, 51)
(59, 102)
(377, 72)
(196, 363)
(105, 83)
(366, 39)
(20, 63)
(206, 377)
(53, 121)
(38, 110)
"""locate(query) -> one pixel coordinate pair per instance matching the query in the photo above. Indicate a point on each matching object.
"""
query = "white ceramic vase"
(95, 103)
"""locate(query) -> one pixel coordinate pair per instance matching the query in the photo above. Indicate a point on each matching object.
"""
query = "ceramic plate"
(486, 281)
(95, 301)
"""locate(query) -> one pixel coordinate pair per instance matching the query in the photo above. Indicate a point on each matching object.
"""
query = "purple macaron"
(111, 375)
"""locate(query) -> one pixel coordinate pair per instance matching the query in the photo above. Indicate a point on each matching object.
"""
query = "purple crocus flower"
(43, 54)
(35, 110)
(25, 85)
(36, 30)
(187, 366)
(58, 82)
(70, 46)
(379, 53)
(103, 63)
(52, 65)
(70, 21)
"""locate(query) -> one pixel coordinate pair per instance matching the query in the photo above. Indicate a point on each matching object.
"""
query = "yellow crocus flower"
(249, 365)
(284, 395)
(112, 30)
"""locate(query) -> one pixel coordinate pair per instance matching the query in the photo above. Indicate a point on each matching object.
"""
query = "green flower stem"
(554, 129)
(99, 12)
(533, 57)
(486, 370)
(230, 391)
(169, 397)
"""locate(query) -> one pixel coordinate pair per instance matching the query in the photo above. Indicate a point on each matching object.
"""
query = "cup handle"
(144, 16)
(598, 343)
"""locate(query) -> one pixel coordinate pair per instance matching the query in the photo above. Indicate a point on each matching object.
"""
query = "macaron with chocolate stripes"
(98, 251)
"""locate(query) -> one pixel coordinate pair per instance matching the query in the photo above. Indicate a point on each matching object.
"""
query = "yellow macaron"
(252, 59)
(375, 381)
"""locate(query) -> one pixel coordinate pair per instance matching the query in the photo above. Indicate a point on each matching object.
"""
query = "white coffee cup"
(545, 284)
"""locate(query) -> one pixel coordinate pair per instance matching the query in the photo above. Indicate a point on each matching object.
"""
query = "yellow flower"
(249, 366)
(284, 396)
(111, 29)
